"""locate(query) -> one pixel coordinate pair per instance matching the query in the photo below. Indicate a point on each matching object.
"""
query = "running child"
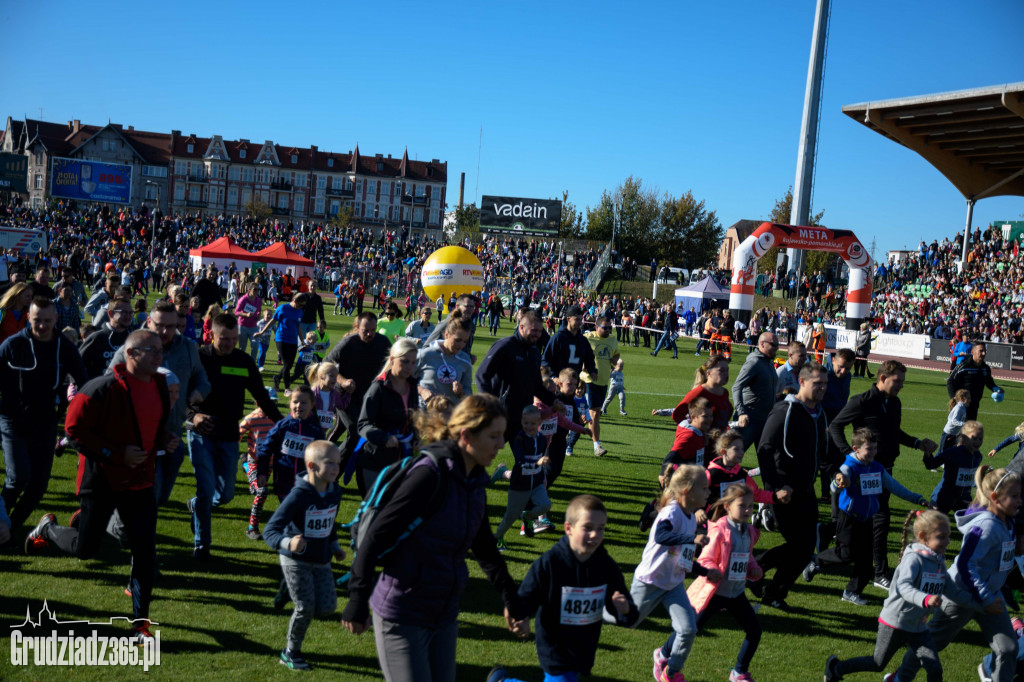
(328, 399)
(286, 442)
(959, 463)
(1016, 463)
(986, 557)
(730, 547)
(667, 558)
(957, 417)
(616, 387)
(261, 339)
(581, 401)
(526, 478)
(861, 480)
(725, 470)
(572, 586)
(688, 448)
(321, 341)
(916, 592)
(305, 357)
(302, 530)
(254, 429)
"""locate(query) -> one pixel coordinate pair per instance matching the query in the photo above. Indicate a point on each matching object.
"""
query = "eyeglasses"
(149, 349)
(120, 312)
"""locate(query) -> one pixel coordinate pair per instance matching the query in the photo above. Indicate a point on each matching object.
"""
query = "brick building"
(212, 175)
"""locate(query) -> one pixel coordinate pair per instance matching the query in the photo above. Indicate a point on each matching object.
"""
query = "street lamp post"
(152, 237)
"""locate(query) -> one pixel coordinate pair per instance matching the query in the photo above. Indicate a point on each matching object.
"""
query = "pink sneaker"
(666, 676)
(740, 677)
(659, 663)
(1018, 626)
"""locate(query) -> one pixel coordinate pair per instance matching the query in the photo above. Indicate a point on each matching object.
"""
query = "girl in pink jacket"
(729, 550)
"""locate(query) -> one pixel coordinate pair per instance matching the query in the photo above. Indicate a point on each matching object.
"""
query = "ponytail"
(988, 480)
(921, 522)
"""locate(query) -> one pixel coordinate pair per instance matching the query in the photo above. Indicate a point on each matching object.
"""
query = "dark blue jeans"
(28, 458)
(667, 341)
(216, 465)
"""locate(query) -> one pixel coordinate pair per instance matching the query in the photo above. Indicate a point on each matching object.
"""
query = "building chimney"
(462, 188)
(77, 125)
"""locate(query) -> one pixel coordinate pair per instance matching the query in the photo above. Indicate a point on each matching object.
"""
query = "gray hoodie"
(920, 575)
(753, 392)
(986, 555)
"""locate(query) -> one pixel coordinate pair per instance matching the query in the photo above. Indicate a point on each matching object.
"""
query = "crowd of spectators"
(927, 292)
(150, 249)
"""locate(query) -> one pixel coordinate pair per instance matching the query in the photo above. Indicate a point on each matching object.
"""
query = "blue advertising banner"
(91, 181)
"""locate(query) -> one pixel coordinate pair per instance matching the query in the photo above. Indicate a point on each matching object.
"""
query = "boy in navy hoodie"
(573, 586)
(302, 531)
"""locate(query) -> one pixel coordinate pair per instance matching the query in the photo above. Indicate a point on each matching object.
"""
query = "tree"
(782, 213)
(571, 226)
(601, 218)
(638, 213)
(258, 210)
(688, 234)
(467, 218)
(343, 218)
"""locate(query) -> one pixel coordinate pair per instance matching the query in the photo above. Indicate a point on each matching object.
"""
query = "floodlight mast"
(800, 213)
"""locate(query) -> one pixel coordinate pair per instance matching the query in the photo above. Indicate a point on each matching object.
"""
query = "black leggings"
(740, 609)
(286, 351)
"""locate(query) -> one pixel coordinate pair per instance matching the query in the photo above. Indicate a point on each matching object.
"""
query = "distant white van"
(675, 276)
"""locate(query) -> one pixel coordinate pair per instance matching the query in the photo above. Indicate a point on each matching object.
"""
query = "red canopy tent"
(221, 253)
(278, 254)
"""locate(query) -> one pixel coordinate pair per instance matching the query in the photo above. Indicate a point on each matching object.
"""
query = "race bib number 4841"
(582, 605)
(319, 522)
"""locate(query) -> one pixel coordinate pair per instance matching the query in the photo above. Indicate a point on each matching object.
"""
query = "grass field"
(217, 620)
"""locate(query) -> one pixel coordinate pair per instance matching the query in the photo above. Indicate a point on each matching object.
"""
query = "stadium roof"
(973, 137)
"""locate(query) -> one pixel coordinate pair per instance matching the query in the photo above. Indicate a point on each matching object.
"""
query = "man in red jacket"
(117, 422)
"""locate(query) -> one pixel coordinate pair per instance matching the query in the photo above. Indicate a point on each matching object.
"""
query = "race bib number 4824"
(582, 605)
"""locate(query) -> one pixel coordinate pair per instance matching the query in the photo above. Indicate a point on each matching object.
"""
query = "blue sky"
(701, 96)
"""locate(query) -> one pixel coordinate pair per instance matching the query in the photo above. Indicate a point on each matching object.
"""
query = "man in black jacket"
(668, 336)
(100, 346)
(311, 312)
(207, 291)
(33, 364)
(974, 374)
(213, 436)
(511, 371)
(880, 410)
(569, 348)
(794, 441)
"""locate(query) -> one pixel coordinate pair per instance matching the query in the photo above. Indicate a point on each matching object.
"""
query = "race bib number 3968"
(582, 605)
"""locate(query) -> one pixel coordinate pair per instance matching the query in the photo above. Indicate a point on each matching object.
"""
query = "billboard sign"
(91, 181)
(13, 172)
(516, 215)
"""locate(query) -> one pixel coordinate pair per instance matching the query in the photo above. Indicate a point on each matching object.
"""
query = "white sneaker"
(981, 674)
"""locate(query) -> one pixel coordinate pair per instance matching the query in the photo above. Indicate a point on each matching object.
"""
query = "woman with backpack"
(416, 599)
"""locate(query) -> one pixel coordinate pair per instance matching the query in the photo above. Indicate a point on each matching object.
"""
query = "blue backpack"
(381, 493)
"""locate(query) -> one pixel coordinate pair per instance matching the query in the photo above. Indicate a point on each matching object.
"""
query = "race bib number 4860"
(582, 605)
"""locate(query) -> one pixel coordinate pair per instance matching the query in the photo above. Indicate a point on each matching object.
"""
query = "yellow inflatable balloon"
(452, 270)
